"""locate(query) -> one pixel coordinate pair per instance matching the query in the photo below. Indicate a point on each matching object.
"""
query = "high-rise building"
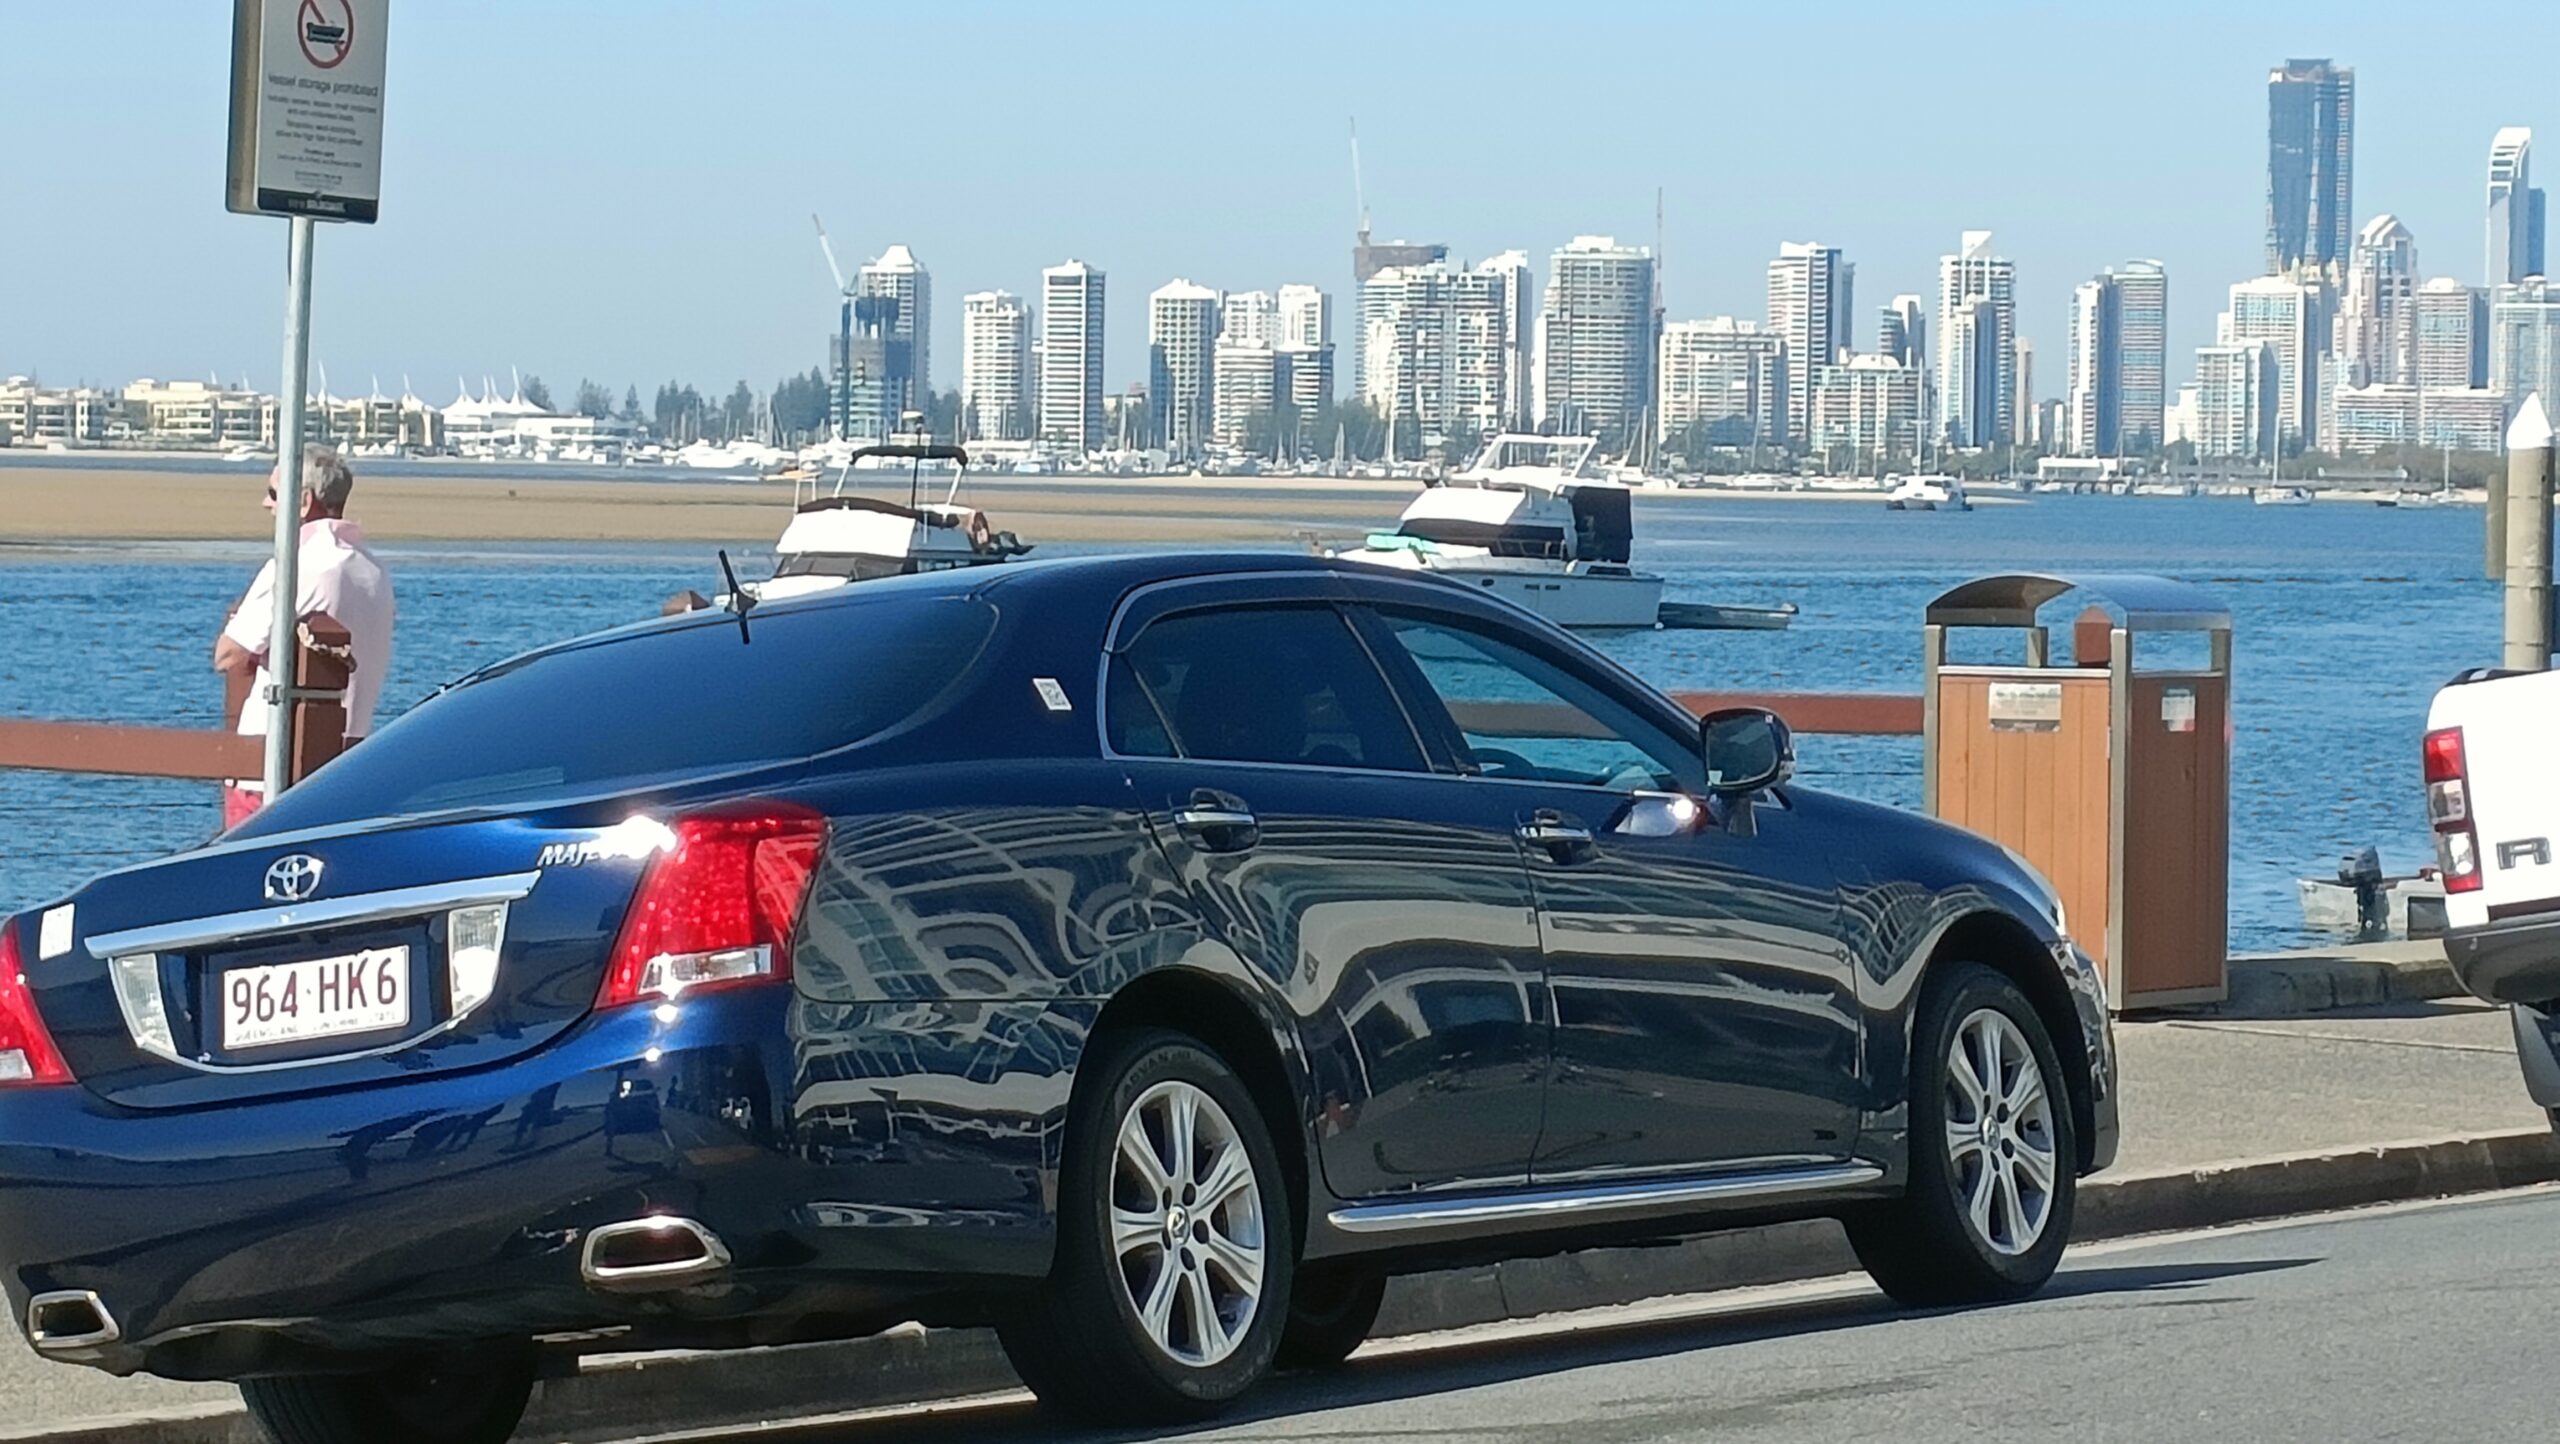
(995, 367)
(1182, 327)
(2462, 420)
(875, 372)
(2511, 207)
(2449, 324)
(2311, 134)
(2093, 393)
(2535, 257)
(1071, 312)
(1251, 390)
(2524, 342)
(1596, 339)
(2292, 317)
(1306, 317)
(2367, 419)
(1902, 332)
(2142, 300)
(1446, 345)
(2235, 401)
(1367, 260)
(1249, 318)
(1809, 308)
(897, 275)
(2022, 408)
(2377, 321)
(1977, 384)
(1726, 376)
(1867, 407)
(1309, 370)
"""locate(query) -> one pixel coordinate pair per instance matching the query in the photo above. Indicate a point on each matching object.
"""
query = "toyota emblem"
(293, 878)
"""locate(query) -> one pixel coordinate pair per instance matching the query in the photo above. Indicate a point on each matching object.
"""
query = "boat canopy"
(1580, 523)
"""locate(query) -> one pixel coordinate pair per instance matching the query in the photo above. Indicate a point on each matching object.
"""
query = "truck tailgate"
(2510, 754)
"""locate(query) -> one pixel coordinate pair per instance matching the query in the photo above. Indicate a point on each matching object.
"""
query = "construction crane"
(1359, 196)
(844, 331)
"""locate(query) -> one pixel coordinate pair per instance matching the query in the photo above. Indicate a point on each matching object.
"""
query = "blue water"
(2347, 618)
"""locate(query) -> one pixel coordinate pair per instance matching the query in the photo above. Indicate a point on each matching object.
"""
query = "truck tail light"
(2449, 810)
(27, 1055)
(718, 907)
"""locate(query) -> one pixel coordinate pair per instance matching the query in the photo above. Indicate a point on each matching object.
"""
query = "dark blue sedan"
(1146, 956)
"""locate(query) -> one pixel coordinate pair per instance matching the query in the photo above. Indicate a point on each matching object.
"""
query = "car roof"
(1099, 580)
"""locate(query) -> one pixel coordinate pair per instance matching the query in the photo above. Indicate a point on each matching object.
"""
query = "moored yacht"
(846, 537)
(1928, 493)
(1532, 522)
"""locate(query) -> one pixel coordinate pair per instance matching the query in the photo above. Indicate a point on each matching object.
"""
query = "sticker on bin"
(2178, 709)
(2026, 706)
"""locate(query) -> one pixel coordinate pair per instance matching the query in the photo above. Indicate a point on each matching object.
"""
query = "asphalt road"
(2431, 1322)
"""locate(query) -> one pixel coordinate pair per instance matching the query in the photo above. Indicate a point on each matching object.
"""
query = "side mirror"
(1747, 750)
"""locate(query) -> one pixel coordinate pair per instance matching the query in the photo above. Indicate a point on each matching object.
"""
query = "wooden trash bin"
(2115, 782)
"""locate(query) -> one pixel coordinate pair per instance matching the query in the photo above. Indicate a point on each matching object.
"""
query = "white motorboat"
(1532, 522)
(1928, 493)
(2280, 496)
(840, 538)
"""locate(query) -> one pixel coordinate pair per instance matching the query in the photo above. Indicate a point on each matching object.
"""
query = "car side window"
(1287, 684)
(1523, 717)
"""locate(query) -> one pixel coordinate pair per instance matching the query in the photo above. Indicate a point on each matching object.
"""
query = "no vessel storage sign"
(306, 108)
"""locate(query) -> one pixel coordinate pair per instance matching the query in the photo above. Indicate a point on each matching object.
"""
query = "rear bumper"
(225, 1242)
(2515, 961)
(2538, 1050)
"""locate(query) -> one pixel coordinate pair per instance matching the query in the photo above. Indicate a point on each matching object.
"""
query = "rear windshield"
(644, 710)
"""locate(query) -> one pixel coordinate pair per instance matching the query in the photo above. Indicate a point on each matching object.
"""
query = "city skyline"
(484, 261)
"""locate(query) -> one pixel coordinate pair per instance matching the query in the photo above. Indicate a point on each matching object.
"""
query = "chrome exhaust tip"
(70, 1322)
(646, 1254)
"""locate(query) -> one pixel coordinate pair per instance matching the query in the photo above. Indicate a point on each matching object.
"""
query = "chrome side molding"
(69, 1322)
(1596, 1202)
(643, 1255)
(326, 912)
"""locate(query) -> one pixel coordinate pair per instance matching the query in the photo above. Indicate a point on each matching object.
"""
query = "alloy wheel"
(1187, 1226)
(2000, 1142)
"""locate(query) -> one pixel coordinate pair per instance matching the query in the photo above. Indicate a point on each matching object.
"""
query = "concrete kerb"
(2290, 985)
(655, 1394)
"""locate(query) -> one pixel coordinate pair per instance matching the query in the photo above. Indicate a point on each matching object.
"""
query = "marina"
(2322, 762)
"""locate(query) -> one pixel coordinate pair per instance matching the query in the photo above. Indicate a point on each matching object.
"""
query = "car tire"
(473, 1398)
(1993, 1172)
(1170, 1287)
(1330, 1315)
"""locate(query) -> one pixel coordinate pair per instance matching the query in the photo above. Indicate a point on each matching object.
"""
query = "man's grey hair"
(325, 478)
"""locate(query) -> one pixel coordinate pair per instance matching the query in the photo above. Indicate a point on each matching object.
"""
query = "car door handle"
(1219, 824)
(1558, 835)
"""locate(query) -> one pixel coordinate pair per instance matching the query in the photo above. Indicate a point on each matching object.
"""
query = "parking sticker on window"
(1052, 696)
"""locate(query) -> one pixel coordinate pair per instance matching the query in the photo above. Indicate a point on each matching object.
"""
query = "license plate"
(366, 992)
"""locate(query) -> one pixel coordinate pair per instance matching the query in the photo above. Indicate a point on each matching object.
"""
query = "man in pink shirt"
(335, 572)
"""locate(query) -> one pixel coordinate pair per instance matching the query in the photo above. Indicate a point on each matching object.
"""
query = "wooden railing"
(322, 665)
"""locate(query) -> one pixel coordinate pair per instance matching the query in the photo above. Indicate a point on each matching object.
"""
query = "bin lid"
(2149, 603)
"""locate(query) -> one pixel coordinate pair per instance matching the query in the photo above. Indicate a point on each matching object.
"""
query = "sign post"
(306, 144)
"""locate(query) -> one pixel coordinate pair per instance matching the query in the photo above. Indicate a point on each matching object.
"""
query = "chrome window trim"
(1584, 1203)
(1115, 645)
(327, 912)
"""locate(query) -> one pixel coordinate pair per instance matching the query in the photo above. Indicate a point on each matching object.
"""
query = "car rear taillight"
(2449, 810)
(718, 908)
(27, 1054)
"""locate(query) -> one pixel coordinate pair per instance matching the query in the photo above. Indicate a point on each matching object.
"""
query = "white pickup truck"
(2493, 798)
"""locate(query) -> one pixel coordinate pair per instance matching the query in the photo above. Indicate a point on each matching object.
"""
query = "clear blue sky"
(622, 190)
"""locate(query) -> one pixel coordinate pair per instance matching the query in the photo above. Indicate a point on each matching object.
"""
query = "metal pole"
(288, 593)
(2494, 526)
(2528, 584)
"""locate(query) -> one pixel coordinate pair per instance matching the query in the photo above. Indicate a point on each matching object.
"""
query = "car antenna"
(739, 600)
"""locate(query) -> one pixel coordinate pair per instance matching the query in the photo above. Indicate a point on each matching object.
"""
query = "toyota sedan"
(1145, 956)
